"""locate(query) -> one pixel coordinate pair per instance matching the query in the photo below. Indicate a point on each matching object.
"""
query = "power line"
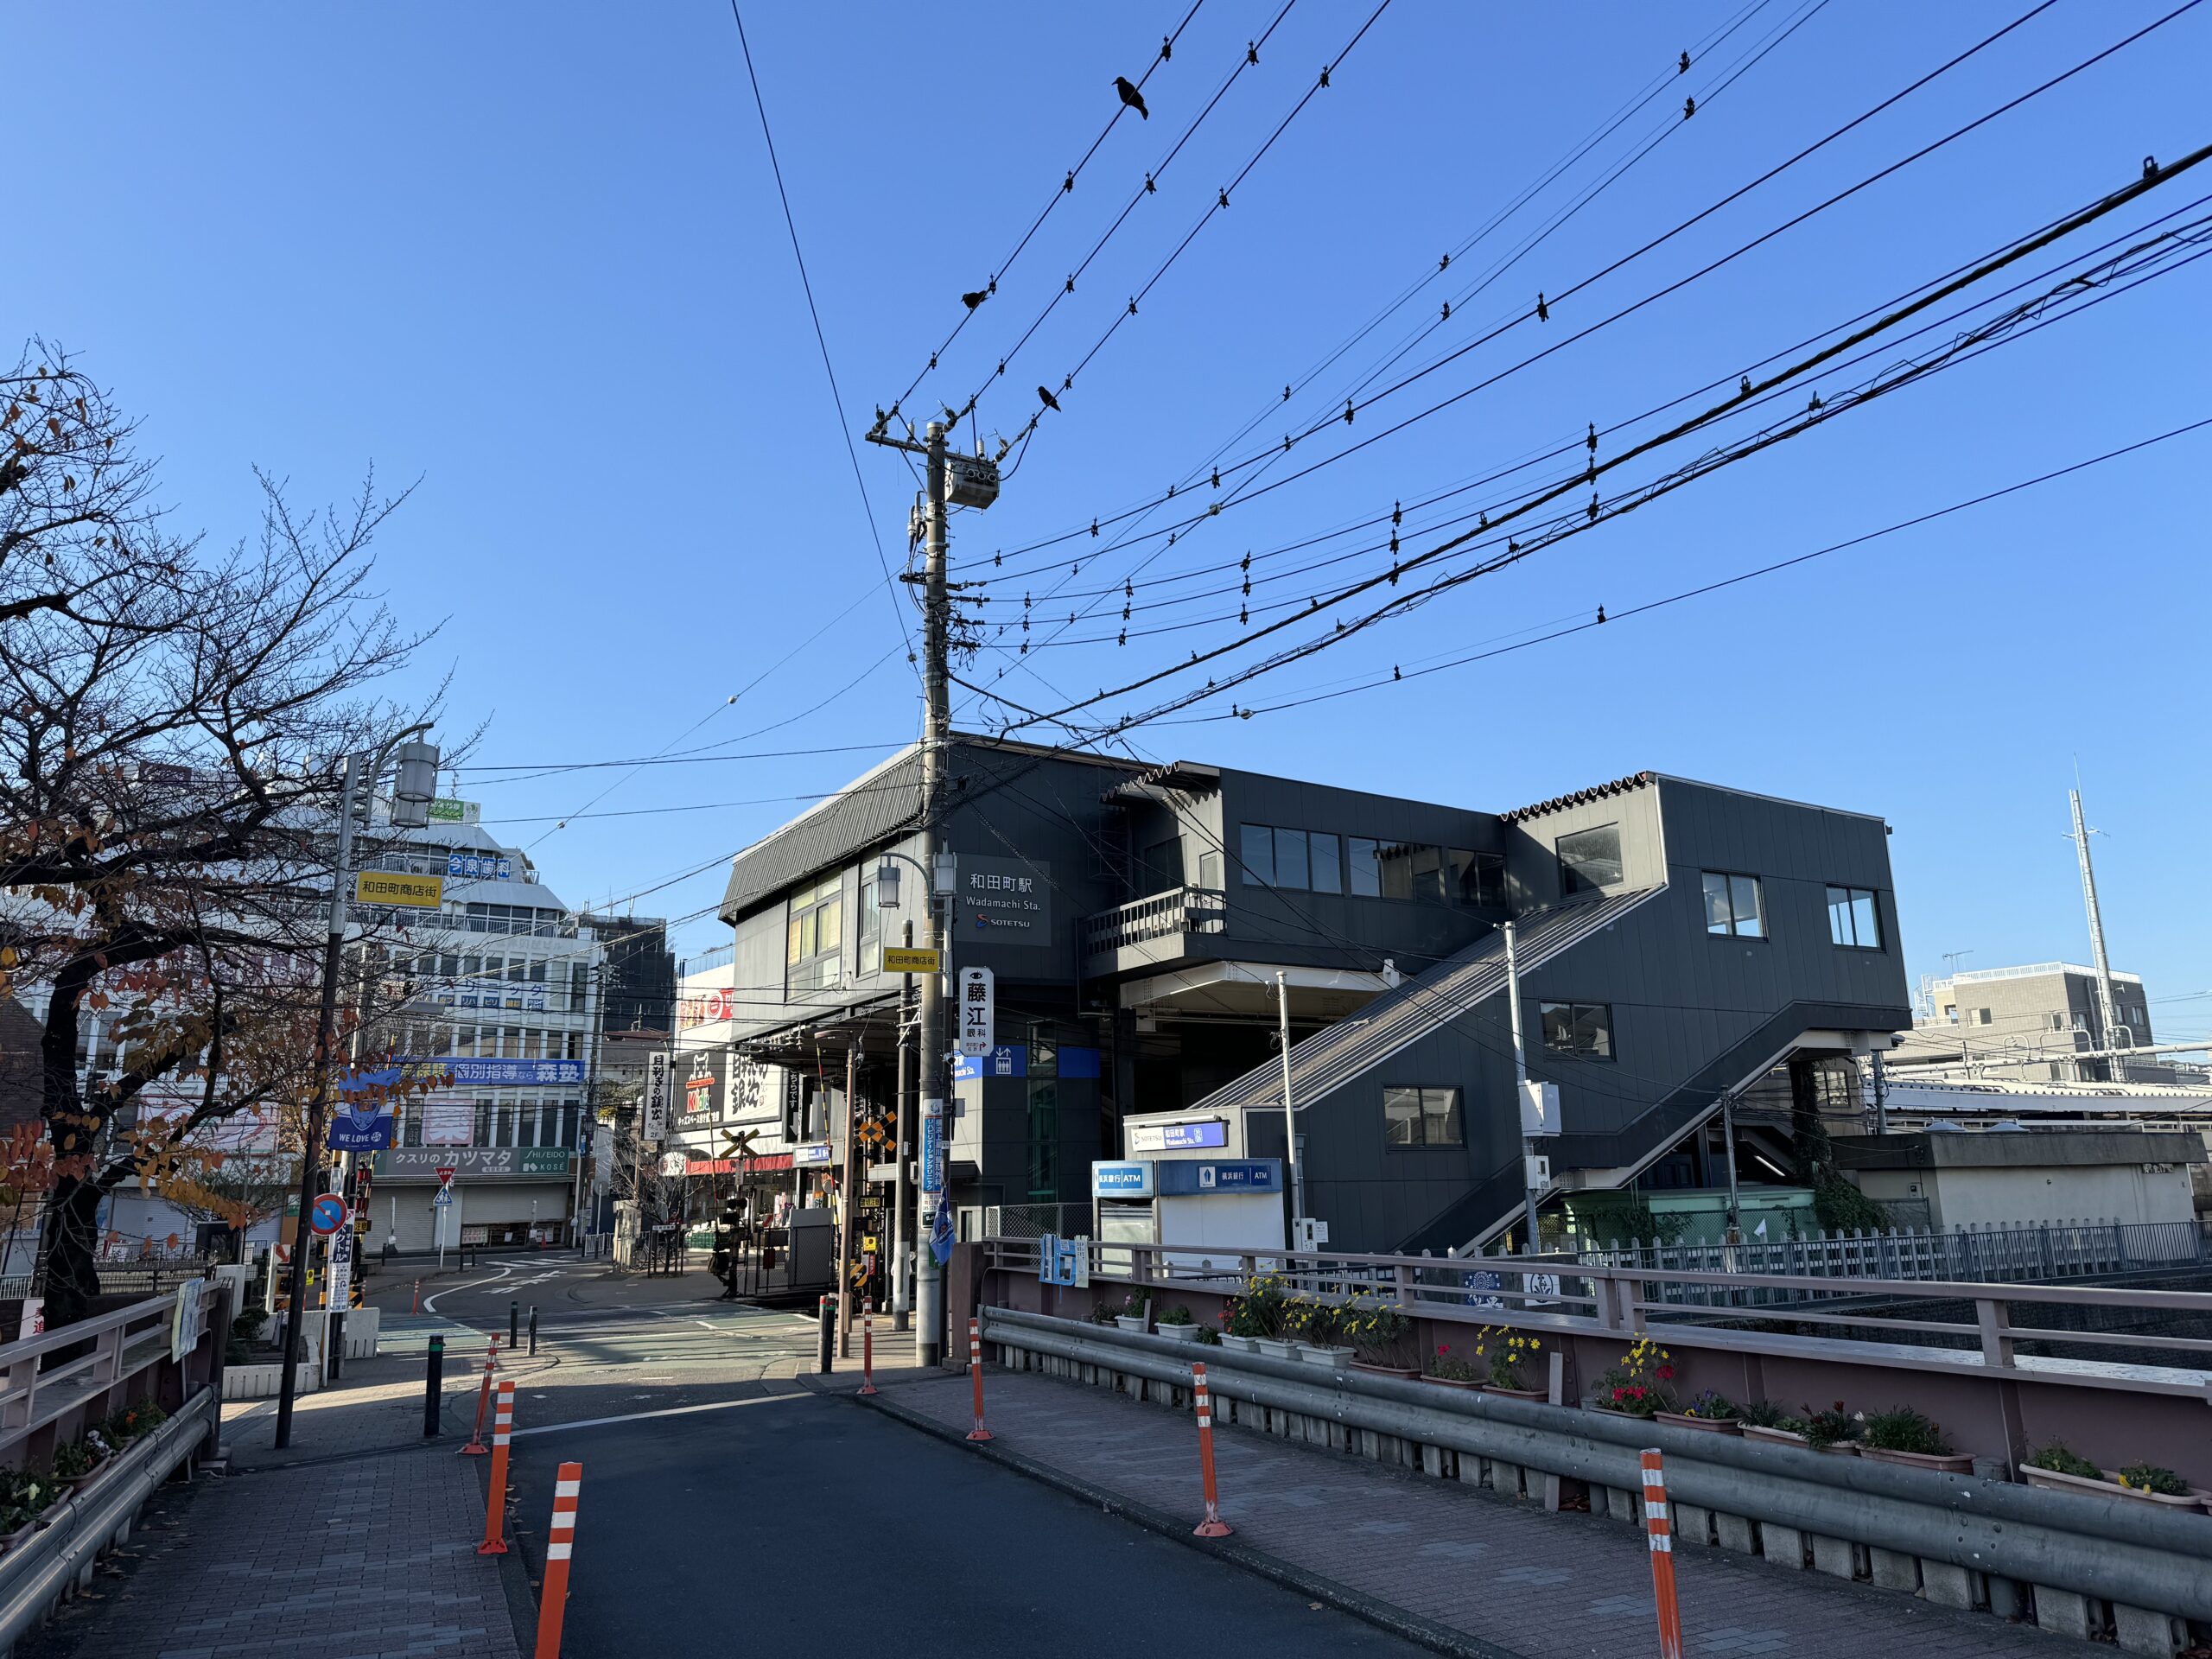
(844, 427)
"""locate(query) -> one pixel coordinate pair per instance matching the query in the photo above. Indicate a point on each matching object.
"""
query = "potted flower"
(1637, 1387)
(77, 1464)
(1317, 1329)
(1903, 1435)
(1507, 1351)
(1130, 1315)
(1762, 1420)
(133, 1422)
(1382, 1340)
(1453, 1370)
(1177, 1326)
(1833, 1430)
(2057, 1468)
(1253, 1317)
(22, 1496)
(1710, 1413)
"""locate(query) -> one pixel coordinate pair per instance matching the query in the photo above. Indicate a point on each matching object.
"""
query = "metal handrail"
(33, 1395)
(1160, 915)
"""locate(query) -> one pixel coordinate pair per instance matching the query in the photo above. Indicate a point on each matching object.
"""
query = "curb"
(1370, 1610)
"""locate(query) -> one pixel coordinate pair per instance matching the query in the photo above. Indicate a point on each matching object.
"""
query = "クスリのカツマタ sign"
(406, 892)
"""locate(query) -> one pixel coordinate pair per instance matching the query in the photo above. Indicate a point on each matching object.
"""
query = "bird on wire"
(1050, 401)
(972, 301)
(1131, 96)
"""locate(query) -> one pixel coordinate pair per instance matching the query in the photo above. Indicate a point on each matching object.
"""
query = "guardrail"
(2066, 1561)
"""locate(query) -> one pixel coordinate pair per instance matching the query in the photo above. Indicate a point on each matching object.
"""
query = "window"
(1421, 1117)
(1163, 865)
(812, 935)
(1321, 850)
(1044, 1141)
(1983, 1016)
(871, 945)
(1428, 873)
(1855, 919)
(1590, 860)
(1362, 870)
(578, 986)
(1478, 878)
(1257, 853)
(1290, 859)
(1733, 906)
(1580, 1028)
(1396, 859)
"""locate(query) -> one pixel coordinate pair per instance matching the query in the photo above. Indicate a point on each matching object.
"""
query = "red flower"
(1665, 1373)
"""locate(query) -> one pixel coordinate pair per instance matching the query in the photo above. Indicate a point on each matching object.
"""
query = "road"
(727, 1508)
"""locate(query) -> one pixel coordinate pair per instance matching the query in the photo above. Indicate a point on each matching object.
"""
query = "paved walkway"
(1534, 1584)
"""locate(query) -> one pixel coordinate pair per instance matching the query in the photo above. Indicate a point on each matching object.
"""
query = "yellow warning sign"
(901, 959)
(410, 892)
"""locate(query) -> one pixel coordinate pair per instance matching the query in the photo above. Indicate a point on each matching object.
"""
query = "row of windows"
(418, 1041)
(505, 1123)
(1589, 861)
(813, 933)
(1317, 861)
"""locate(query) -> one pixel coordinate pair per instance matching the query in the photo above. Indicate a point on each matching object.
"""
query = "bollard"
(1659, 1530)
(1213, 1526)
(976, 1375)
(829, 1318)
(476, 1448)
(553, 1595)
(867, 1353)
(433, 1388)
(533, 1328)
(417, 1308)
(495, 1503)
(514, 1325)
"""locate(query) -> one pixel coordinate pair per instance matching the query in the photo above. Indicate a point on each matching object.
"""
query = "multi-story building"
(1679, 943)
(2042, 1022)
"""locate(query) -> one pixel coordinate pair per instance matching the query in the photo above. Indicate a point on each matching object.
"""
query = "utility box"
(1209, 1212)
(970, 481)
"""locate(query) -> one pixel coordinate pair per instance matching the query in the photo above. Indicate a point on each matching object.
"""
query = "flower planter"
(1330, 1359)
(1774, 1436)
(1374, 1370)
(1615, 1411)
(14, 1539)
(1130, 1322)
(1838, 1448)
(1451, 1382)
(1239, 1344)
(1703, 1424)
(1274, 1348)
(2108, 1486)
(1946, 1462)
(1177, 1332)
(79, 1483)
(1538, 1394)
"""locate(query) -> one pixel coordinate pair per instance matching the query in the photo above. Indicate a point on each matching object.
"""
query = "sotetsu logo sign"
(1003, 901)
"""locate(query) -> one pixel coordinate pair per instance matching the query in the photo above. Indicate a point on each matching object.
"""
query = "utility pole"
(1520, 1085)
(903, 1144)
(2105, 1007)
(849, 1212)
(1290, 1114)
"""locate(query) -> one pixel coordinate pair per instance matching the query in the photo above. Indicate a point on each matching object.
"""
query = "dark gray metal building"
(1678, 941)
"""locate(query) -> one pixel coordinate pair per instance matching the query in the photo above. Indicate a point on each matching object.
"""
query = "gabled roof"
(1335, 1056)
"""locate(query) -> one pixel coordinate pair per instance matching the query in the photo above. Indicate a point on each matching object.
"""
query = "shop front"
(502, 1198)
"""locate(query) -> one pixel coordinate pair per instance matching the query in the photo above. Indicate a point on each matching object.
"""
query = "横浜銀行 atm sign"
(1126, 1179)
(1184, 1177)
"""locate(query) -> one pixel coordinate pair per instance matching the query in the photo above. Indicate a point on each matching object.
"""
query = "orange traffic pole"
(417, 1308)
(867, 1353)
(1213, 1526)
(553, 1597)
(476, 1448)
(975, 1374)
(495, 1504)
(1659, 1529)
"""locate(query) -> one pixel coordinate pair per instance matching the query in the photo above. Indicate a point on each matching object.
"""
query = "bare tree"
(169, 721)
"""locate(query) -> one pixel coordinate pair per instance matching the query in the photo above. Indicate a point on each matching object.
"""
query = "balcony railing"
(1174, 913)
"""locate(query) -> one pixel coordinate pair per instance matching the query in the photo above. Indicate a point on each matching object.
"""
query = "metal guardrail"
(1157, 916)
(1561, 1294)
(37, 1388)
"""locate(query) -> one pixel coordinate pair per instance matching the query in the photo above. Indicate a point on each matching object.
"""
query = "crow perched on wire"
(1051, 402)
(1131, 96)
(972, 301)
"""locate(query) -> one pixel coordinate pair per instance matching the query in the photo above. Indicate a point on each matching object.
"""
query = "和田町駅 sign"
(407, 891)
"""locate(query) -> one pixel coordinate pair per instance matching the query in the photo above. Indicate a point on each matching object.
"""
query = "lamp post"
(415, 782)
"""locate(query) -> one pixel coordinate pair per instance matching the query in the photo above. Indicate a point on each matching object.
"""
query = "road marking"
(666, 1411)
(431, 1305)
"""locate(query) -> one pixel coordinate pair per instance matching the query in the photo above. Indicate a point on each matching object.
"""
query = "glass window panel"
(1559, 1027)
(1441, 1117)
(1839, 916)
(1395, 859)
(1751, 918)
(1402, 1124)
(1428, 873)
(1716, 902)
(1290, 858)
(1594, 1030)
(1590, 860)
(1255, 850)
(1321, 853)
(1363, 869)
(1865, 919)
(1163, 862)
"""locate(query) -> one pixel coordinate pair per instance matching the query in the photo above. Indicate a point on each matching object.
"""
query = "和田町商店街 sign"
(910, 959)
(405, 892)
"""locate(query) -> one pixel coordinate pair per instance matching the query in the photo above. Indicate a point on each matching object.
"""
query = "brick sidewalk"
(1541, 1587)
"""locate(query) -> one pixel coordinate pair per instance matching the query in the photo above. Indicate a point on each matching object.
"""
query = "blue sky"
(534, 258)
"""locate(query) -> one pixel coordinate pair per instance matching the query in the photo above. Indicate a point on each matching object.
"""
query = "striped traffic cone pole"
(553, 1595)
(476, 1448)
(976, 1375)
(867, 1353)
(495, 1505)
(1659, 1530)
(1213, 1526)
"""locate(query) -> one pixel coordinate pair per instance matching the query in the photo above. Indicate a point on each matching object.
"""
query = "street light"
(413, 785)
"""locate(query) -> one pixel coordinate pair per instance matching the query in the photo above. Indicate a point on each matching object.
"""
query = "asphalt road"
(797, 1524)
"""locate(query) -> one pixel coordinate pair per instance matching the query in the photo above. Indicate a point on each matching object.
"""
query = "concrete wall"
(2024, 1194)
